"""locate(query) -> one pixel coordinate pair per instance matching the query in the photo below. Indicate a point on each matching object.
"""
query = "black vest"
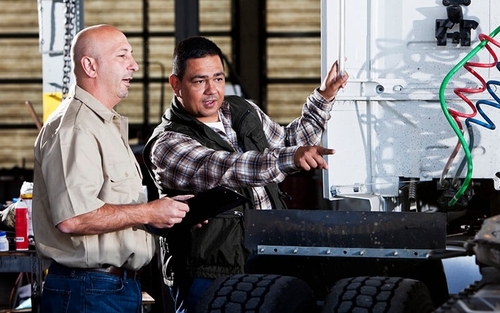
(218, 248)
(246, 124)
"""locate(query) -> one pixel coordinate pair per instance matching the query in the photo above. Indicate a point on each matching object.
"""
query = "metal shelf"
(27, 262)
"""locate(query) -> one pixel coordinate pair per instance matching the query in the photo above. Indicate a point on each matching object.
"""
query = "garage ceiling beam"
(249, 47)
(186, 19)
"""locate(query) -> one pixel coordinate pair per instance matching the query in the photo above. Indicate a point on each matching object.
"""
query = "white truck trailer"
(414, 183)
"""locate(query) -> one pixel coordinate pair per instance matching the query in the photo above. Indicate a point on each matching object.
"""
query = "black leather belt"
(117, 271)
(106, 269)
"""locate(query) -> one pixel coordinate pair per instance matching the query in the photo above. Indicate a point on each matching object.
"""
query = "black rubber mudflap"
(378, 295)
(257, 293)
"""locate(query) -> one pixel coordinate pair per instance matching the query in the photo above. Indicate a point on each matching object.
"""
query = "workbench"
(27, 262)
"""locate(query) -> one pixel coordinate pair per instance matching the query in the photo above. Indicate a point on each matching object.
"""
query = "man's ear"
(175, 84)
(89, 66)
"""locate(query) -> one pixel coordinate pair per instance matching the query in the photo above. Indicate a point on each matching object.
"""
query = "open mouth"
(127, 81)
(210, 102)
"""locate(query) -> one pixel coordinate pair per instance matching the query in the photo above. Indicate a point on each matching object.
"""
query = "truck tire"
(378, 294)
(257, 293)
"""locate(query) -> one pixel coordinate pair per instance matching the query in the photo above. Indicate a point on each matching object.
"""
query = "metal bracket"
(455, 16)
(343, 252)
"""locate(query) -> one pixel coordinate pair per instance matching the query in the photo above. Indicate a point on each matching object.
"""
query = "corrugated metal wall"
(20, 59)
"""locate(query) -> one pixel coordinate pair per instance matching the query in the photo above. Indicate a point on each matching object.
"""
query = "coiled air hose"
(453, 116)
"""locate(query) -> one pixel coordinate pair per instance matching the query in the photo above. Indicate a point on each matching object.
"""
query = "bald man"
(89, 207)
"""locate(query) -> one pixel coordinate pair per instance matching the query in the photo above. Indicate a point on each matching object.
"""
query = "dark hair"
(193, 48)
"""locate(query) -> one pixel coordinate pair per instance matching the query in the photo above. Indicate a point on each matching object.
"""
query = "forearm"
(187, 165)
(305, 130)
(107, 218)
(308, 129)
(270, 166)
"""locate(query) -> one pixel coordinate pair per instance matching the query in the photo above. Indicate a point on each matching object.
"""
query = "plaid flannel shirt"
(182, 163)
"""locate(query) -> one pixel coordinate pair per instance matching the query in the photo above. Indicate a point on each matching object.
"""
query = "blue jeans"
(72, 290)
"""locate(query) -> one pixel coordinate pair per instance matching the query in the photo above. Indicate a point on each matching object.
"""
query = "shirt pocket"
(122, 183)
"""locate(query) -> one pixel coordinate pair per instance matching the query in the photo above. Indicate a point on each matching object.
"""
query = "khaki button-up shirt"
(82, 161)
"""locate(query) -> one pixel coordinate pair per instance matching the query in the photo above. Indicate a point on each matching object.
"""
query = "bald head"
(103, 63)
(89, 42)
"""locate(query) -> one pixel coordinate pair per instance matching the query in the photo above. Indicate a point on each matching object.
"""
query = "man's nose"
(210, 87)
(134, 65)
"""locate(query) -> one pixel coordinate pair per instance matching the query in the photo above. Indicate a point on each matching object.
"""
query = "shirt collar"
(92, 103)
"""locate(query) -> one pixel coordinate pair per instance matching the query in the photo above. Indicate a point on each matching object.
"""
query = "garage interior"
(272, 50)
(274, 55)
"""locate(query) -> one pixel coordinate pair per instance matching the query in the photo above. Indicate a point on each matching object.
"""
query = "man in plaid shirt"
(206, 140)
